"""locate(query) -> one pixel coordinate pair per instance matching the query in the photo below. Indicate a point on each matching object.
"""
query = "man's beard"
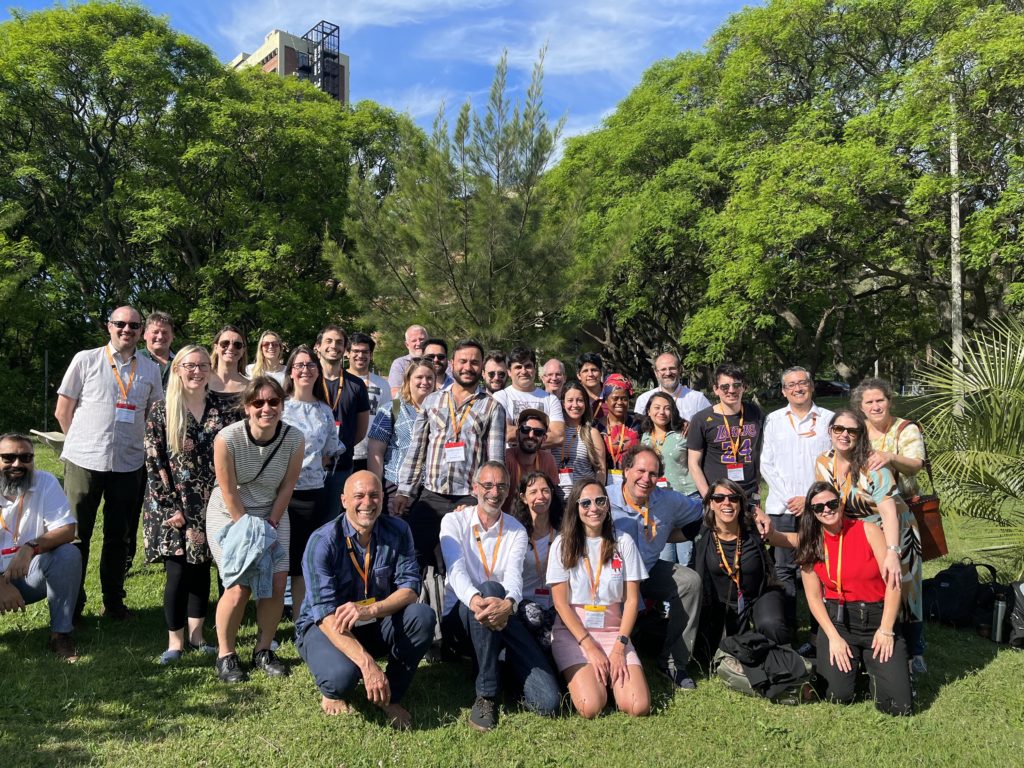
(14, 486)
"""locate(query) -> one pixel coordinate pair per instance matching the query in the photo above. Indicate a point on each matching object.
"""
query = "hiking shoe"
(229, 669)
(64, 647)
(267, 661)
(484, 715)
(117, 612)
(679, 678)
(917, 665)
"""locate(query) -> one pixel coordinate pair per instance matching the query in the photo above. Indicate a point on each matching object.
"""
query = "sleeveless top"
(858, 574)
(576, 455)
(258, 493)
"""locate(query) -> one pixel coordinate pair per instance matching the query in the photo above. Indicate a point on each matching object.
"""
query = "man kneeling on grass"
(362, 581)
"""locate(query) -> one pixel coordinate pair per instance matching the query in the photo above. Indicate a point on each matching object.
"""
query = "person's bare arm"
(375, 451)
(556, 432)
(227, 481)
(65, 411)
(693, 459)
(362, 425)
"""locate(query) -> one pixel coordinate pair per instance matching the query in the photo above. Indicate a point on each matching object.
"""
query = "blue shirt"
(669, 509)
(331, 576)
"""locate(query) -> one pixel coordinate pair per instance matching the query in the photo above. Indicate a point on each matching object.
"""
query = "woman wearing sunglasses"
(842, 561)
(538, 507)
(594, 575)
(307, 410)
(257, 462)
(871, 495)
(229, 358)
(736, 572)
(269, 358)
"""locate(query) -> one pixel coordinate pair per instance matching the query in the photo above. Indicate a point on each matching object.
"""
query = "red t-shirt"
(857, 573)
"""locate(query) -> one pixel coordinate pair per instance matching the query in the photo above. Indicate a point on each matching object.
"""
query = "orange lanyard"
(337, 397)
(363, 572)
(457, 424)
(650, 524)
(489, 571)
(16, 532)
(117, 375)
(837, 580)
(542, 568)
(735, 444)
(616, 456)
(847, 487)
(733, 572)
(568, 454)
(595, 581)
(811, 433)
(657, 445)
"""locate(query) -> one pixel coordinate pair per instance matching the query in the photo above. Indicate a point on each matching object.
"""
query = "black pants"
(186, 591)
(890, 681)
(786, 570)
(305, 515)
(425, 521)
(765, 614)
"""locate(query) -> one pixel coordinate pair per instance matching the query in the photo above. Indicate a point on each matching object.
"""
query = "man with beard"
(523, 394)
(666, 371)
(363, 582)
(456, 431)
(527, 455)
(37, 559)
(495, 371)
(435, 351)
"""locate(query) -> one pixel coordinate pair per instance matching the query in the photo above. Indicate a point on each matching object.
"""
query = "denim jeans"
(54, 575)
(677, 553)
(786, 568)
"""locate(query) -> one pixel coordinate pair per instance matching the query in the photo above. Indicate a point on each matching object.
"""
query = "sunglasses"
(535, 431)
(436, 358)
(718, 498)
(10, 458)
(831, 505)
(225, 344)
(727, 387)
(494, 486)
(496, 374)
(120, 324)
(838, 429)
(191, 367)
(270, 344)
(273, 402)
(600, 501)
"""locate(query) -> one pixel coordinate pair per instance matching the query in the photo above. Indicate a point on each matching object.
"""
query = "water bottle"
(999, 620)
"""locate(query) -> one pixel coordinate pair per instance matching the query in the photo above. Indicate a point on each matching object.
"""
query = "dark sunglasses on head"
(273, 402)
(601, 501)
(832, 504)
(718, 498)
(120, 324)
(838, 429)
(496, 374)
(535, 431)
(224, 344)
(10, 458)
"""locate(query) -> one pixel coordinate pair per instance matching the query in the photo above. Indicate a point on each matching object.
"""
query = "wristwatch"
(35, 546)
(514, 605)
(894, 548)
(622, 639)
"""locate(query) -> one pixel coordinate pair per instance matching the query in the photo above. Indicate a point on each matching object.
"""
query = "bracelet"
(883, 633)
(894, 548)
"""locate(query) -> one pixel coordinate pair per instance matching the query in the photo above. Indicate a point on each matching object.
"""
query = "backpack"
(1015, 616)
(755, 666)
(956, 596)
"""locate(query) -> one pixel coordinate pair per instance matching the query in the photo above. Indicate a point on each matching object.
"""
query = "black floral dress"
(181, 483)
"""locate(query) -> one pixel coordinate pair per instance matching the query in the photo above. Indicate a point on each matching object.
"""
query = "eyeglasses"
(304, 366)
(120, 324)
(600, 501)
(718, 498)
(191, 367)
(726, 387)
(273, 402)
(270, 344)
(10, 458)
(359, 352)
(797, 385)
(496, 374)
(838, 429)
(494, 486)
(224, 344)
(535, 431)
(436, 358)
(831, 505)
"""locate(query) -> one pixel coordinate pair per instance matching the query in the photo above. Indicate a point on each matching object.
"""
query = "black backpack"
(956, 595)
(1016, 615)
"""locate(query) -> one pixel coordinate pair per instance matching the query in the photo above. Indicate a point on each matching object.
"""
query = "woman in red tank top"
(841, 561)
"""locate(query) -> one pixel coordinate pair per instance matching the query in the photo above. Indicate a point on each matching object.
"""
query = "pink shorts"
(568, 653)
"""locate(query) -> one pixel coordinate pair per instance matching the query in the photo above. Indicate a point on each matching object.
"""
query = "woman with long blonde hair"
(269, 358)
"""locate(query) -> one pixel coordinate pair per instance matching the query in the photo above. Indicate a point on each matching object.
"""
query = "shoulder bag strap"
(927, 459)
(273, 453)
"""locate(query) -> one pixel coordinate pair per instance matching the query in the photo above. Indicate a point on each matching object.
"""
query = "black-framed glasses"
(225, 343)
(273, 402)
(494, 486)
(496, 374)
(24, 458)
(535, 431)
(437, 358)
(838, 429)
(310, 366)
(192, 367)
(120, 324)
(718, 498)
(832, 505)
(600, 501)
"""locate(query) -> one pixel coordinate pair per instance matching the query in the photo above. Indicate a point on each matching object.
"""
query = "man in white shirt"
(360, 363)
(666, 371)
(794, 436)
(523, 395)
(483, 551)
(37, 559)
(415, 336)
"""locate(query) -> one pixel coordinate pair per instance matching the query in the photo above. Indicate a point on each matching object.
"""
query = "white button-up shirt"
(462, 556)
(45, 507)
(788, 453)
(688, 401)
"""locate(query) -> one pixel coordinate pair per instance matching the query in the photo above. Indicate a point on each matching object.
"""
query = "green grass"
(117, 706)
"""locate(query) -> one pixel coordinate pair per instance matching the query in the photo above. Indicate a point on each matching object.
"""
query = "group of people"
(555, 516)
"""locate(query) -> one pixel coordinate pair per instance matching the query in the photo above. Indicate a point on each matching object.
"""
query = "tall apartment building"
(316, 56)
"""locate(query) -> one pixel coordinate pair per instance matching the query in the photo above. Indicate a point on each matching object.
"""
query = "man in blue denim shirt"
(362, 581)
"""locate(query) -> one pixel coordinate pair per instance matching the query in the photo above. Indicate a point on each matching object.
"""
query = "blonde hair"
(405, 393)
(174, 401)
(260, 366)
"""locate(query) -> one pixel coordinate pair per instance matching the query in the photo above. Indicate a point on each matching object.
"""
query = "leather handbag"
(926, 509)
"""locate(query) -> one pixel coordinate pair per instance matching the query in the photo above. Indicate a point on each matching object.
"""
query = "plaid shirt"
(483, 432)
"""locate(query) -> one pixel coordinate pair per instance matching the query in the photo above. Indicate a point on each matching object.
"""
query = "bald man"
(362, 581)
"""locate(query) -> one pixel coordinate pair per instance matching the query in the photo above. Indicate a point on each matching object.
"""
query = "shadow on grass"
(951, 655)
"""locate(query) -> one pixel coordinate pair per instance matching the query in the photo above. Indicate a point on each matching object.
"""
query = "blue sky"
(412, 55)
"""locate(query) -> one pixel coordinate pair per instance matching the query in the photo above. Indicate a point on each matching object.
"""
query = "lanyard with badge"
(489, 570)
(124, 411)
(337, 397)
(837, 580)
(568, 457)
(659, 446)
(650, 522)
(16, 531)
(594, 613)
(809, 433)
(542, 566)
(732, 572)
(364, 574)
(455, 450)
(734, 471)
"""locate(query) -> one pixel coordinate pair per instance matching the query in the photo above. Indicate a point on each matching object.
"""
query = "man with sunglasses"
(527, 455)
(102, 404)
(724, 441)
(654, 517)
(360, 364)
(37, 559)
(523, 395)
(435, 351)
(495, 371)
(794, 437)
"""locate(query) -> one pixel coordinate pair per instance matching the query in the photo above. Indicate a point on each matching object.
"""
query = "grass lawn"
(117, 706)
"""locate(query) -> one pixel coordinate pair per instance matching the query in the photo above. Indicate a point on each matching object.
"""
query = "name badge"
(337, 424)
(124, 412)
(615, 477)
(565, 477)
(454, 452)
(593, 616)
(734, 472)
(367, 601)
(662, 482)
(542, 592)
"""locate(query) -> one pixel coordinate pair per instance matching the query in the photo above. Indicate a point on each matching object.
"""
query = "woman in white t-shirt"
(594, 575)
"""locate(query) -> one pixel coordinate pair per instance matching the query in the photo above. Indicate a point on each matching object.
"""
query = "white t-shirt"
(624, 566)
(535, 580)
(515, 401)
(45, 508)
(688, 401)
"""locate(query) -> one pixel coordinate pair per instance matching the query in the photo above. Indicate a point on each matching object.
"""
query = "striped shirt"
(578, 458)
(395, 434)
(482, 432)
